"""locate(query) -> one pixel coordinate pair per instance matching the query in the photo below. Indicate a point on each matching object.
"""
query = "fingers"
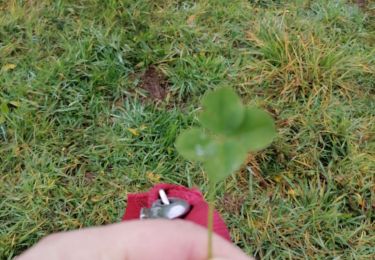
(179, 240)
(148, 239)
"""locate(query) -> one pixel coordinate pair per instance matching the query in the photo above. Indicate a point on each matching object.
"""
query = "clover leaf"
(223, 111)
(229, 131)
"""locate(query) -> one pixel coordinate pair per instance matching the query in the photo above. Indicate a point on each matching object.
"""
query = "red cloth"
(197, 214)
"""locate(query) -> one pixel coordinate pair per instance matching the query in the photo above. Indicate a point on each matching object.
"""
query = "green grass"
(78, 133)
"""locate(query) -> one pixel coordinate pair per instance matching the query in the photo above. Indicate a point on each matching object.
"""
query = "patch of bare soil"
(155, 83)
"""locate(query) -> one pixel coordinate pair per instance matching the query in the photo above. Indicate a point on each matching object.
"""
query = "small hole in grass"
(274, 161)
(333, 148)
(155, 83)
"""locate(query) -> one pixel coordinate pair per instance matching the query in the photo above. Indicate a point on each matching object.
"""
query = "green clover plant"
(229, 132)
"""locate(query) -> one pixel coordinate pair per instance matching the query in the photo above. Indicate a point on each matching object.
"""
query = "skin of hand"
(134, 240)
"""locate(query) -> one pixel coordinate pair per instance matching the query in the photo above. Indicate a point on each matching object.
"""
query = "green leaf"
(228, 158)
(194, 144)
(222, 111)
(257, 130)
(4, 110)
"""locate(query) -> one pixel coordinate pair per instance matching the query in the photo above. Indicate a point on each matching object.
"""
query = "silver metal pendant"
(167, 208)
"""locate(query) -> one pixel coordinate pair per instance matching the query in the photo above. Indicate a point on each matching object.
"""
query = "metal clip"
(167, 208)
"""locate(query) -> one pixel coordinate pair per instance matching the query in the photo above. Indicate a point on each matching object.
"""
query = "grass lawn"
(93, 94)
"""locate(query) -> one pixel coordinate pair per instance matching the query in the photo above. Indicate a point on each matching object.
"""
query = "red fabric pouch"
(197, 214)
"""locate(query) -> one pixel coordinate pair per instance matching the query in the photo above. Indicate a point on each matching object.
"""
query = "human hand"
(146, 239)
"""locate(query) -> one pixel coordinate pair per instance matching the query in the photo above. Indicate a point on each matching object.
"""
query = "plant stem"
(210, 220)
